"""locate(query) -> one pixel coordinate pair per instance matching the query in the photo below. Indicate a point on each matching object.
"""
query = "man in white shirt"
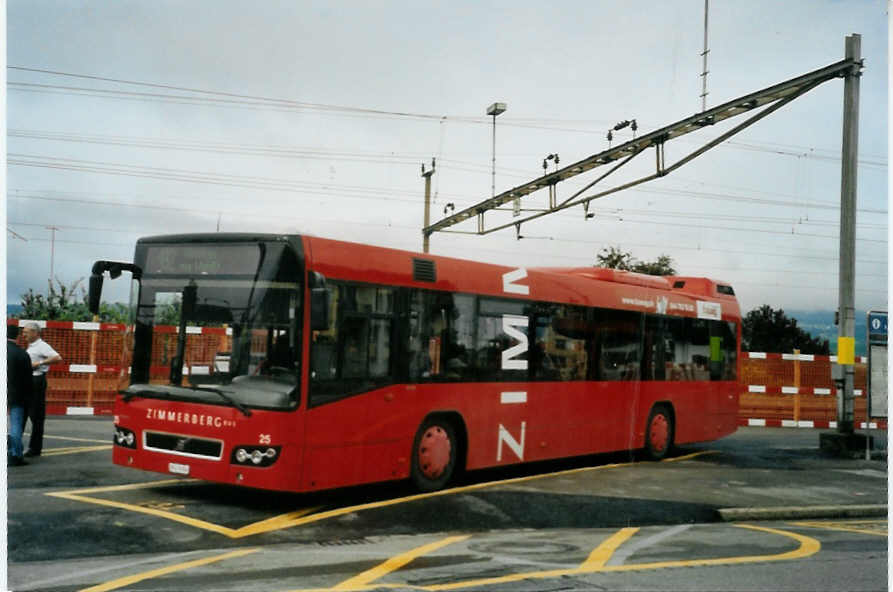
(42, 355)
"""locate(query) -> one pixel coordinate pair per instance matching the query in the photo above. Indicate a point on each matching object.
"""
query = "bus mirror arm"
(115, 268)
(95, 292)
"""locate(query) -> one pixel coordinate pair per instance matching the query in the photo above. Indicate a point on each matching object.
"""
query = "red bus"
(339, 364)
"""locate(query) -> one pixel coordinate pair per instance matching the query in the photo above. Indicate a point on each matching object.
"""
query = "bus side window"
(497, 321)
(423, 356)
(723, 354)
(354, 354)
(560, 342)
(323, 359)
(615, 347)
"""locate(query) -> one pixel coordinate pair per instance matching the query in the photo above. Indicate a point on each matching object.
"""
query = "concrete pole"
(493, 152)
(426, 237)
(849, 153)
(53, 230)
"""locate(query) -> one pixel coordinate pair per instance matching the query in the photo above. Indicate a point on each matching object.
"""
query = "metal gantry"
(772, 98)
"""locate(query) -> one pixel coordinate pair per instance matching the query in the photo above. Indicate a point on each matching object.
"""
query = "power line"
(812, 254)
(732, 270)
(407, 159)
(284, 102)
(736, 269)
(254, 182)
(235, 99)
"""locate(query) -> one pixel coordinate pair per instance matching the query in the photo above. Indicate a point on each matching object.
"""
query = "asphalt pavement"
(77, 521)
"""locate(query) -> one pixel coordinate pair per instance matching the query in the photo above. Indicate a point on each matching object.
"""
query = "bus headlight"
(255, 456)
(124, 437)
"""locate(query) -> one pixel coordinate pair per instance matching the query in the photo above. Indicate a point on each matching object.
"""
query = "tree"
(766, 329)
(663, 265)
(615, 258)
(68, 303)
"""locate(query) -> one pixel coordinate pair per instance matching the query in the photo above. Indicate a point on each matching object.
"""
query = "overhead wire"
(286, 184)
(264, 183)
(116, 202)
(255, 100)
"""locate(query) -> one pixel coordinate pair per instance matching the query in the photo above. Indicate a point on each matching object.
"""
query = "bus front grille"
(184, 445)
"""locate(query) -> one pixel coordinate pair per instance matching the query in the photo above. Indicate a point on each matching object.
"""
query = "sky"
(136, 118)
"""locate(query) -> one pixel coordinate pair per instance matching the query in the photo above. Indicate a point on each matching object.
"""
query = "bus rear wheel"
(434, 453)
(659, 432)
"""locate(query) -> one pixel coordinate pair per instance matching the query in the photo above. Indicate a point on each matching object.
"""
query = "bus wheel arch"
(660, 430)
(438, 450)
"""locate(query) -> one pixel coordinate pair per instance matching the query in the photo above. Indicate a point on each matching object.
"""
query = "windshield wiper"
(226, 398)
(129, 394)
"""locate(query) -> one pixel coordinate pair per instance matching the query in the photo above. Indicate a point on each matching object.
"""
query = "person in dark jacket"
(18, 394)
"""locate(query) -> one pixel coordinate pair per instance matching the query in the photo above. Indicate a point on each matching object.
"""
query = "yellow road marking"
(121, 582)
(300, 518)
(274, 523)
(151, 511)
(75, 450)
(690, 456)
(106, 441)
(358, 582)
(602, 554)
(128, 486)
(847, 526)
(808, 546)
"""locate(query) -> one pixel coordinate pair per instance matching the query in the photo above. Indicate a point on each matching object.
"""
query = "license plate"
(178, 469)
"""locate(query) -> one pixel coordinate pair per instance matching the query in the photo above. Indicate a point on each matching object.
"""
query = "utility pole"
(53, 229)
(845, 440)
(494, 110)
(426, 236)
(845, 415)
(704, 72)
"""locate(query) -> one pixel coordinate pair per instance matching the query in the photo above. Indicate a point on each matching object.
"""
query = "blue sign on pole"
(877, 326)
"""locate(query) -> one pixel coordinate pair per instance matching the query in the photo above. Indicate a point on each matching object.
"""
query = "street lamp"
(494, 110)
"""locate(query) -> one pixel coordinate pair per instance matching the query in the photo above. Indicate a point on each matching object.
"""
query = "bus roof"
(588, 286)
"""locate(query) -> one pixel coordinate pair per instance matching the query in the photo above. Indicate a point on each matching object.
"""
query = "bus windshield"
(218, 323)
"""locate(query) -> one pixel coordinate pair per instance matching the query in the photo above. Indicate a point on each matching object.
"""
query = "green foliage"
(663, 265)
(168, 314)
(68, 303)
(614, 258)
(766, 329)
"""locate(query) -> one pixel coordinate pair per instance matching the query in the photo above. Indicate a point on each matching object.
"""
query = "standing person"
(42, 355)
(18, 394)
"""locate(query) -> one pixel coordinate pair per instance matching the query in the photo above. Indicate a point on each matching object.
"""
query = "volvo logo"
(180, 446)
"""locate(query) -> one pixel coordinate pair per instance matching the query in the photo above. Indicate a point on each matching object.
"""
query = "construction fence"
(776, 389)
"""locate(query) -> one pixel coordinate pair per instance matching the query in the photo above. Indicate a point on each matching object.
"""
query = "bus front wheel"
(659, 432)
(434, 453)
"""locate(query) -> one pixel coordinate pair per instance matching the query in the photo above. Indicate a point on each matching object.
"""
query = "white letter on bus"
(508, 282)
(509, 322)
(517, 447)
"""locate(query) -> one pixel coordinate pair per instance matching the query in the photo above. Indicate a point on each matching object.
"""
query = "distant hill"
(13, 309)
(820, 323)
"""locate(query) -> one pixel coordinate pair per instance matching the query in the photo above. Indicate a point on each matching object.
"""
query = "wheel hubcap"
(659, 432)
(434, 452)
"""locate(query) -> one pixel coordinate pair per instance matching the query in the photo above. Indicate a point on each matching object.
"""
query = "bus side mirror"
(95, 292)
(115, 268)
